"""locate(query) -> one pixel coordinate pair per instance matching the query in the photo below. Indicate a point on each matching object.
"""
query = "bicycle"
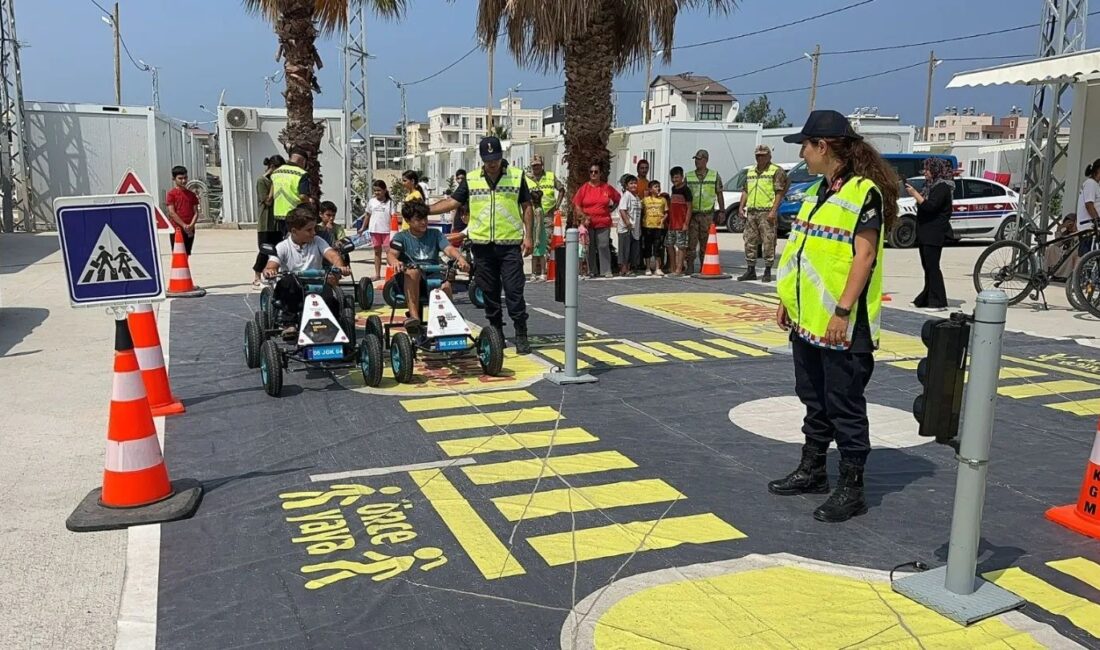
(1019, 271)
(1086, 279)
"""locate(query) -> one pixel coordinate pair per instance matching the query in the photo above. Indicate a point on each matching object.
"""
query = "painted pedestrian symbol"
(111, 261)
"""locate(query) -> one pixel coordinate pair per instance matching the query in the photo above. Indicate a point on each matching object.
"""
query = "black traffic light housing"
(941, 374)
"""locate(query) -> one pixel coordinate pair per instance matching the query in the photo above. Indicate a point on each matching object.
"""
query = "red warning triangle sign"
(131, 184)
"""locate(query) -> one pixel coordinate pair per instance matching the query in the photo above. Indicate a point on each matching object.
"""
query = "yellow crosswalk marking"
(485, 550)
(676, 352)
(762, 297)
(460, 401)
(515, 441)
(1081, 407)
(637, 353)
(706, 349)
(492, 419)
(1020, 373)
(1080, 612)
(558, 357)
(1084, 570)
(623, 539)
(738, 347)
(532, 468)
(601, 355)
(910, 364)
(1041, 388)
(583, 499)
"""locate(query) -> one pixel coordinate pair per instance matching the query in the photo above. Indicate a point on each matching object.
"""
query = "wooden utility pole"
(928, 94)
(118, 59)
(489, 106)
(816, 57)
(648, 76)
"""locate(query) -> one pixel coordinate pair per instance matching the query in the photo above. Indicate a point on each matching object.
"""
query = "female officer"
(830, 285)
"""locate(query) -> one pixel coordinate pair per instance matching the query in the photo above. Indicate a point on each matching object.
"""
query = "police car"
(982, 209)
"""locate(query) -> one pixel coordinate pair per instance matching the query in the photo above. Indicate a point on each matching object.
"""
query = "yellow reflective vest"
(496, 216)
(703, 195)
(548, 188)
(761, 188)
(818, 258)
(284, 183)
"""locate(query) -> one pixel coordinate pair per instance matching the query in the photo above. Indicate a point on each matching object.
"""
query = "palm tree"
(502, 132)
(596, 39)
(297, 26)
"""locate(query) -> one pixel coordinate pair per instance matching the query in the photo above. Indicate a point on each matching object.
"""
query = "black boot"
(523, 346)
(767, 274)
(808, 478)
(750, 274)
(847, 500)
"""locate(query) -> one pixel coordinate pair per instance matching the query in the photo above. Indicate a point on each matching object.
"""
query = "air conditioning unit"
(241, 119)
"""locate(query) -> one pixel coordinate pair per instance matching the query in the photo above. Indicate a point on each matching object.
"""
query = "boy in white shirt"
(628, 224)
(300, 251)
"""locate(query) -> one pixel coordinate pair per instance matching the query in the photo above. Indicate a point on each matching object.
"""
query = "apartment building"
(459, 126)
(956, 124)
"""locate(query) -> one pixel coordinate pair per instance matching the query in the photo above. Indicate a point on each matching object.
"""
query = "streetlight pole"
(511, 112)
(815, 58)
(489, 105)
(118, 58)
(932, 63)
(404, 118)
(648, 77)
(698, 93)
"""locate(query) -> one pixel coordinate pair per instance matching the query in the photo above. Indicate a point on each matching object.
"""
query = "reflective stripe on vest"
(546, 184)
(495, 213)
(284, 183)
(761, 188)
(817, 259)
(702, 191)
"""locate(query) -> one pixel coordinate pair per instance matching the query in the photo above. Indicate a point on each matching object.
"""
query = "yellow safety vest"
(284, 182)
(549, 190)
(761, 187)
(702, 191)
(495, 214)
(817, 259)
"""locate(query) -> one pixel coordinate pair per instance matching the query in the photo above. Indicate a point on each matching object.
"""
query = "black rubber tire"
(401, 352)
(263, 323)
(1023, 268)
(477, 296)
(1087, 282)
(252, 341)
(734, 222)
(1071, 292)
(492, 358)
(1012, 223)
(365, 294)
(389, 294)
(347, 323)
(271, 368)
(267, 305)
(904, 234)
(374, 326)
(370, 360)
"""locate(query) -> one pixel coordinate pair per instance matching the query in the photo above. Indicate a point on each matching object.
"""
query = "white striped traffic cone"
(711, 269)
(179, 282)
(143, 329)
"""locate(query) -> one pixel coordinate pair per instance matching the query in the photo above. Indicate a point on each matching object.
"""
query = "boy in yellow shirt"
(654, 224)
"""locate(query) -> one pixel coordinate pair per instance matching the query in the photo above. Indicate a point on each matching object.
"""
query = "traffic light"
(941, 374)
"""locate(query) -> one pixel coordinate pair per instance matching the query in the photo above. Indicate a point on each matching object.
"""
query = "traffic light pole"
(955, 591)
(568, 375)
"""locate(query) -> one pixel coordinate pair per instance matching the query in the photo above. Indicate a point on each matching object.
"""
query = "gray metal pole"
(568, 375)
(976, 435)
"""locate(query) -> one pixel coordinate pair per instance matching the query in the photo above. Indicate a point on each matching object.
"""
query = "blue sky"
(204, 46)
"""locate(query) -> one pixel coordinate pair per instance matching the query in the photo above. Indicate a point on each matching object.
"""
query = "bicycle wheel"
(1087, 281)
(1008, 266)
(1071, 292)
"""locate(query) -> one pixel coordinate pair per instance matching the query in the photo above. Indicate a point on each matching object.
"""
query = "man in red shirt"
(182, 207)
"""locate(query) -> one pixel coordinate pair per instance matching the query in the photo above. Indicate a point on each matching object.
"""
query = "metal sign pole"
(572, 271)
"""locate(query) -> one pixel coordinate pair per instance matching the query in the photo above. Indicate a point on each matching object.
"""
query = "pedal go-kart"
(319, 338)
(460, 283)
(362, 291)
(446, 335)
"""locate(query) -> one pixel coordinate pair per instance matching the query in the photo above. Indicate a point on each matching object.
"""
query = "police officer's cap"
(824, 124)
(490, 149)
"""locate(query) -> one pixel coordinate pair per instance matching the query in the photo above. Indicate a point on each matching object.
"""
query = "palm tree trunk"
(297, 36)
(589, 59)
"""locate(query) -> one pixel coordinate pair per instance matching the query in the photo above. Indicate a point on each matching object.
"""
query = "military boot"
(847, 500)
(808, 478)
(523, 346)
(750, 274)
(767, 274)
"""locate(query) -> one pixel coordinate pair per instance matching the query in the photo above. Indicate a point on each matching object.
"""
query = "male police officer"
(706, 189)
(290, 187)
(763, 192)
(500, 232)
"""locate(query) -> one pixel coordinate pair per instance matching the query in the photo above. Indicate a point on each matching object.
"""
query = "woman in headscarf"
(933, 228)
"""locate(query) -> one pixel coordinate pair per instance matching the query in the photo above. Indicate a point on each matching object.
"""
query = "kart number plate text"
(322, 352)
(452, 343)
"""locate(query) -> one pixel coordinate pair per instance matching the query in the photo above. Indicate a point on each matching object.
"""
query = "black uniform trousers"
(831, 383)
(501, 264)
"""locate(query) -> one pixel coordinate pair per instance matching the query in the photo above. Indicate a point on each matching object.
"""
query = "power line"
(110, 15)
(773, 27)
(456, 62)
(837, 83)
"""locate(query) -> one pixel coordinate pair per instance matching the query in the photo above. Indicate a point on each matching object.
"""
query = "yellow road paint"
(706, 349)
(1082, 407)
(637, 353)
(558, 357)
(1038, 389)
(584, 499)
(601, 355)
(1084, 570)
(532, 468)
(910, 364)
(492, 419)
(515, 441)
(623, 539)
(1056, 368)
(488, 553)
(781, 607)
(1080, 612)
(675, 352)
(460, 401)
(1020, 373)
(737, 347)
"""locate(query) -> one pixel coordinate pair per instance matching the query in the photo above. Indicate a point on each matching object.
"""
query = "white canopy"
(1065, 68)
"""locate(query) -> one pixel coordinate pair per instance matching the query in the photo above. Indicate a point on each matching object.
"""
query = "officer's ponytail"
(862, 159)
(1092, 169)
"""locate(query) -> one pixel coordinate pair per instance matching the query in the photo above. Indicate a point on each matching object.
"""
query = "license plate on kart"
(451, 343)
(326, 352)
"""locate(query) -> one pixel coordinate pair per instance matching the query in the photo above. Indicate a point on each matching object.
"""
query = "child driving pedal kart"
(415, 247)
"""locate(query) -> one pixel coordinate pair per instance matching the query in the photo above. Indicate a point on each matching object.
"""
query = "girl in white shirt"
(377, 223)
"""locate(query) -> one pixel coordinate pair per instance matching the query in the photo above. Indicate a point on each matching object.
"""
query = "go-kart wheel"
(477, 296)
(252, 341)
(401, 357)
(365, 294)
(265, 297)
(271, 368)
(490, 350)
(391, 296)
(349, 303)
(347, 323)
(374, 326)
(263, 324)
(370, 359)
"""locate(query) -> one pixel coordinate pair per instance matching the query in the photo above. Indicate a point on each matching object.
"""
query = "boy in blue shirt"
(419, 245)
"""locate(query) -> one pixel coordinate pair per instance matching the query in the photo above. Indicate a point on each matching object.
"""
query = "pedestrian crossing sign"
(110, 249)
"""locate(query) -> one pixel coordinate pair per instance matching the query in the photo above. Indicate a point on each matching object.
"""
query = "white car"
(982, 209)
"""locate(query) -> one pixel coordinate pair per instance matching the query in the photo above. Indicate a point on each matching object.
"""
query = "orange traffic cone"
(143, 328)
(136, 489)
(557, 240)
(395, 226)
(179, 283)
(711, 270)
(1084, 517)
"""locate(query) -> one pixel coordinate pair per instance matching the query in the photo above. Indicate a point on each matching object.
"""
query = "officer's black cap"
(824, 124)
(490, 149)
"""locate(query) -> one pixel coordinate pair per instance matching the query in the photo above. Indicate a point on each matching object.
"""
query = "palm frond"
(330, 15)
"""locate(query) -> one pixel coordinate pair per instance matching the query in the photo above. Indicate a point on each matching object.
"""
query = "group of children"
(651, 226)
